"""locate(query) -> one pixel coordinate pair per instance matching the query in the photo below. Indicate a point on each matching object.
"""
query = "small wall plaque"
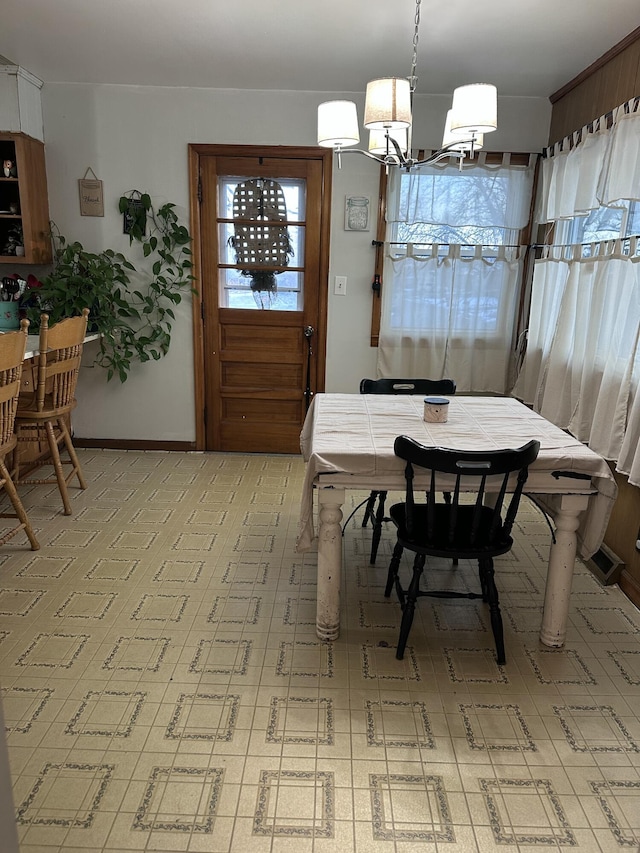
(356, 213)
(91, 198)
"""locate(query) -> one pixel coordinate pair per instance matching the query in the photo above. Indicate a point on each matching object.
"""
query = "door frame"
(201, 313)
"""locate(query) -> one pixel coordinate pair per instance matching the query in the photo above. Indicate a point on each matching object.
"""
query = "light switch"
(340, 285)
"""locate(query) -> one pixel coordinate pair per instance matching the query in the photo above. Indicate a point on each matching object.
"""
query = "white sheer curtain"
(620, 175)
(582, 365)
(453, 272)
(629, 459)
(596, 166)
(570, 177)
(450, 314)
(547, 291)
(483, 203)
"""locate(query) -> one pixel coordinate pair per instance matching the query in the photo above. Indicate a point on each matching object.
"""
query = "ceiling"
(526, 49)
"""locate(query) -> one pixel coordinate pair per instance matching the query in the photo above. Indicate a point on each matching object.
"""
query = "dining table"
(33, 342)
(347, 443)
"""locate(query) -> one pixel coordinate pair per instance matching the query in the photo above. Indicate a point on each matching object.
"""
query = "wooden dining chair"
(42, 419)
(394, 386)
(465, 529)
(12, 349)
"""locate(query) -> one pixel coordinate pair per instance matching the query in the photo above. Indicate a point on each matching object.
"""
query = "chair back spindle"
(42, 417)
(12, 350)
(486, 523)
(385, 387)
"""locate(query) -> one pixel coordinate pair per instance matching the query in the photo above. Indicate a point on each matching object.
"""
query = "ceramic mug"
(436, 410)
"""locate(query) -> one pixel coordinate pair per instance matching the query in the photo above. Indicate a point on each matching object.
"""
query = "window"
(453, 271)
(603, 223)
(447, 206)
(236, 289)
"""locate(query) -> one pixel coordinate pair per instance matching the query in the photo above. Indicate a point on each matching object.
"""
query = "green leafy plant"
(134, 321)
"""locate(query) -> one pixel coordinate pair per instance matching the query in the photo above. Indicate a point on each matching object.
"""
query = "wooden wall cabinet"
(23, 199)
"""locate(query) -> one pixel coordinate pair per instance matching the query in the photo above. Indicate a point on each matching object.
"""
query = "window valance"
(486, 196)
(598, 165)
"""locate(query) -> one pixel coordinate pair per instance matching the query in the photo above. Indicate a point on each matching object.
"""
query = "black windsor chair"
(475, 530)
(393, 386)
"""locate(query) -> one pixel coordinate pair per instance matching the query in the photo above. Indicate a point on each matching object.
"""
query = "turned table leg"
(329, 563)
(560, 572)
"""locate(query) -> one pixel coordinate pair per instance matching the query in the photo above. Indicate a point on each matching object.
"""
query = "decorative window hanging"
(261, 239)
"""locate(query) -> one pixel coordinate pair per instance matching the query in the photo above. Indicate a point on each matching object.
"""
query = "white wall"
(136, 138)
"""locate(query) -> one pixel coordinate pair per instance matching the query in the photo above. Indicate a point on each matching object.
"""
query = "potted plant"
(134, 322)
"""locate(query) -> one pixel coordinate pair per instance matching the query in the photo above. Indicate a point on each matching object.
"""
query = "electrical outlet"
(340, 285)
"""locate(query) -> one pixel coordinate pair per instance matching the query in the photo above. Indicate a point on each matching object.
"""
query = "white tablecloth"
(33, 343)
(354, 434)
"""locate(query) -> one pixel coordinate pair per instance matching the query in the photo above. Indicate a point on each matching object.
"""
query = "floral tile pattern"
(192, 792)
(542, 822)
(163, 687)
(66, 795)
(410, 808)
(295, 803)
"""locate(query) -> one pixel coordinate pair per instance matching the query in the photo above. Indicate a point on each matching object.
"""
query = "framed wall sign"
(91, 197)
(356, 213)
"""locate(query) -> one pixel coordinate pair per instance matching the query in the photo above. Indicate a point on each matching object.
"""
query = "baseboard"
(630, 586)
(127, 444)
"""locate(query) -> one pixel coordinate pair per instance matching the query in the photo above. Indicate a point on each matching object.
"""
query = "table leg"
(329, 563)
(560, 572)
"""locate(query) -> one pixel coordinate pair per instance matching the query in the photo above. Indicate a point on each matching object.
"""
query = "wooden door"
(263, 308)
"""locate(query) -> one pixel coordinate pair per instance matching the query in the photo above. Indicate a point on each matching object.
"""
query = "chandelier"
(388, 118)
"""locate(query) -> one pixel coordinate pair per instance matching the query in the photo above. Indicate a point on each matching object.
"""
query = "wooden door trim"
(195, 152)
(197, 322)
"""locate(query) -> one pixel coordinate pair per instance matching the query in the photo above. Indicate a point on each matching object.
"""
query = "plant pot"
(9, 316)
(20, 251)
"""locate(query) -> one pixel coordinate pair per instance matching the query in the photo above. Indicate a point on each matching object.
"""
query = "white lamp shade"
(475, 108)
(337, 124)
(378, 141)
(388, 103)
(460, 140)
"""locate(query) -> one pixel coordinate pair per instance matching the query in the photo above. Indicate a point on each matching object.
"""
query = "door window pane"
(296, 234)
(261, 238)
(236, 292)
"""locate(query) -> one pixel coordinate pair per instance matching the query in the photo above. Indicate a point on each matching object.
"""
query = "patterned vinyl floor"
(164, 689)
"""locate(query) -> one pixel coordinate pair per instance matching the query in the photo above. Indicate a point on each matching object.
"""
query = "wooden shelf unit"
(27, 191)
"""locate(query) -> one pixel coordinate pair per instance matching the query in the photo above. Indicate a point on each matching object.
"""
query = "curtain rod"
(604, 121)
(464, 245)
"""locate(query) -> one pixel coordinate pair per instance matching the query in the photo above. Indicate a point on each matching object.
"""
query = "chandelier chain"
(413, 80)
